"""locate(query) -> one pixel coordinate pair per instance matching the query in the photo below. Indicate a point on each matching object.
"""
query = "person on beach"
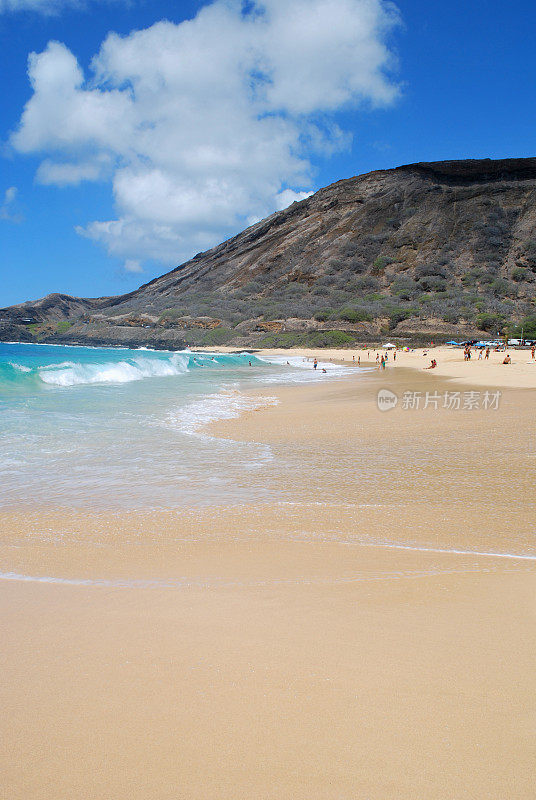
(487, 353)
(324, 369)
(359, 361)
(480, 353)
(433, 364)
(507, 360)
(315, 363)
(532, 351)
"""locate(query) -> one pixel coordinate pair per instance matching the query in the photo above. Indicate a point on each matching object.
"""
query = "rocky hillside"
(426, 250)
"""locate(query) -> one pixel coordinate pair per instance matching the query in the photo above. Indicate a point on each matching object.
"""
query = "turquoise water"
(109, 428)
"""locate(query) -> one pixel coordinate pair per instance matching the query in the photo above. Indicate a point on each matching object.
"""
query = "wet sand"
(372, 637)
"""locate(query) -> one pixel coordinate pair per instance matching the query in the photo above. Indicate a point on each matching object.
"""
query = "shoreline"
(520, 374)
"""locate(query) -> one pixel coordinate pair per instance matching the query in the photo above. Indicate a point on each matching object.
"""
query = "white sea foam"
(449, 551)
(222, 405)
(182, 582)
(302, 369)
(134, 369)
(60, 365)
(19, 367)
(73, 346)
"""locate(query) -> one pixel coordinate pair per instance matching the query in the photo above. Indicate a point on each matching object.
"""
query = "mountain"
(436, 250)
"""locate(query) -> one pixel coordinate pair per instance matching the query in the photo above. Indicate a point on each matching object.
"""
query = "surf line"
(101, 582)
(224, 583)
(445, 551)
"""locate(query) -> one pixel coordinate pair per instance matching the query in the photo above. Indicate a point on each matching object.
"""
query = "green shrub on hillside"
(218, 336)
(379, 264)
(502, 288)
(433, 283)
(172, 314)
(520, 274)
(35, 329)
(431, 270)
(470, 278)
(64, 325)
(373, 298)
(405, 288)
(331, 339)
(354, 315)
(396, 315)
(486, 277)
(323, 314)
(308, 339)
(365, 284)
(489, 322)
(527, 326)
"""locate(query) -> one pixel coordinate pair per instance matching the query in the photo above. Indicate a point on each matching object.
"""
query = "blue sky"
(141, 132)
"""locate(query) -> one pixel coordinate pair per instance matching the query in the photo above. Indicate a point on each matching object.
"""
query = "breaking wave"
(212, 408)
(109, 370)
(132, 369)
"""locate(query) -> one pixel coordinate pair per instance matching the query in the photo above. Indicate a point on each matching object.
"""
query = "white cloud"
(10, 195)
(43, 6)
(132, 265)
(289, 196)
(66, 173)
(204, 125)
(7, 207)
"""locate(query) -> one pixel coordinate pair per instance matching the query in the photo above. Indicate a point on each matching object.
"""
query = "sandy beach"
(372, 637)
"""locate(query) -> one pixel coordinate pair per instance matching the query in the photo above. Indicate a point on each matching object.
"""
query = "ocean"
(116, 428)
